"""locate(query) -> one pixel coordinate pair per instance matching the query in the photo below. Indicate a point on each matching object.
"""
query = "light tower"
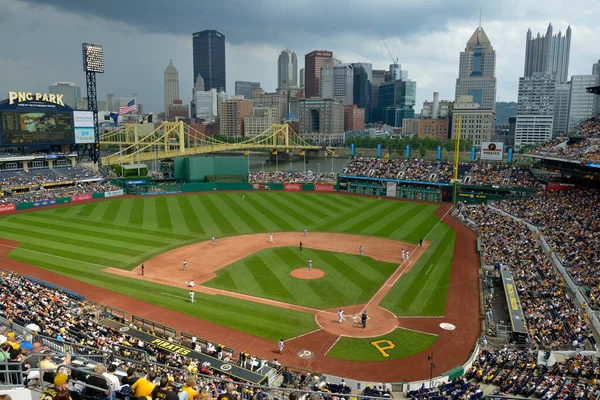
(93, 63)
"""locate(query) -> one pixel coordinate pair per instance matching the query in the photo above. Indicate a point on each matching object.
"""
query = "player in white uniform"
(212, 239)
(271, 240)
(309, 264)
(280, 346)
(192, 296)
(360, 250)
(184, 265)
(403, 254)
(340, 316)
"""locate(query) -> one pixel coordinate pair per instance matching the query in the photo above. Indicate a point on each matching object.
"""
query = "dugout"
(211, 169)
(404, 189)
(517, 319)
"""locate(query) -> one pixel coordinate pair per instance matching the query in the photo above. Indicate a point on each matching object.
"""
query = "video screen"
(40, 128)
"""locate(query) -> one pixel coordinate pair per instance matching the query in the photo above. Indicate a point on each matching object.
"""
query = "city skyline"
(426, 47)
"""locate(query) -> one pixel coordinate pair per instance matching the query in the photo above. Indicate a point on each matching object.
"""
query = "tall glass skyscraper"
(287, 70)
(209, 59)
(548, 54)
(477, 71)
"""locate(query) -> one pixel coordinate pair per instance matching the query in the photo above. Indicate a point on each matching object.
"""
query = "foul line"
(423, 332)
(427, 273)
(331, 347)
(52, 255)
(304, 334)
(174, 295)
(400, 266)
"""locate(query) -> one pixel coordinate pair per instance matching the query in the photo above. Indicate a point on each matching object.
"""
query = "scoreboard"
(20, 128)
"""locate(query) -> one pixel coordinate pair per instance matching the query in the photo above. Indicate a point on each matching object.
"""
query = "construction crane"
(394, 62)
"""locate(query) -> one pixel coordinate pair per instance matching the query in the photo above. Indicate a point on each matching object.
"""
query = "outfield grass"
(406, 343)
(123, 233)
(349, 279)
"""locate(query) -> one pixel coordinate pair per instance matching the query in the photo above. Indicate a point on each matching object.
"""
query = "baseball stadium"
(155, 249)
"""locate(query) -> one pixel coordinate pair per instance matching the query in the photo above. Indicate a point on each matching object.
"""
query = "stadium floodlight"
(93, 58)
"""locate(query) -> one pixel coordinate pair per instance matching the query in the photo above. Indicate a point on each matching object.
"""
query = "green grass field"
(349, 279)
(405, 343)
(123, 233)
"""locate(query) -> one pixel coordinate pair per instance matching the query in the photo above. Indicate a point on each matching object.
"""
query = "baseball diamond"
(246, 294)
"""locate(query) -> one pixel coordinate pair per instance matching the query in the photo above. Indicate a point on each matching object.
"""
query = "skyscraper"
(477, 71)
(396, 102)
(363, 74)
(70, 91)
(313, 62)
(209, 59)
(287, 70)
(343, 83)
(171, 86)
(244, 88)
(378, 79)
(582, 105)
(548, 54)
(535, 109)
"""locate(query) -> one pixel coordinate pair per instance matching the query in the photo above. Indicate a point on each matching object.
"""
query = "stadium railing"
(158, 329)
(204, 342)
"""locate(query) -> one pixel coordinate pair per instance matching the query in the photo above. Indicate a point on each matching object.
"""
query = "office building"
(477, 71)
(396, 102)
(562, 94)
(178, 110)
(343, 83)
(208, 49)
(278, 100)
(395, 72)
(410, 126)
(433, 128)
(206, 105)
(313, 62)
(354, 118)
(363, 75)
(437, 109)
(233, 113)
(476, 124)
(582, 105)
(114, 103)
(378, 77)
(535, 109)
(170, 86)
(70, 91)
(244, 88)
(287, 70)
(302, 78)
(260, 121)
(321, 120)
(548, 54)
(82, 104)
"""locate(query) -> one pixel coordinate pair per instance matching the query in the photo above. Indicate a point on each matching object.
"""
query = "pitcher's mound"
(305, 273)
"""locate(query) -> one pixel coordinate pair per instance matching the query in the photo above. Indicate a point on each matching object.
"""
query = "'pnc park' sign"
(19, 97)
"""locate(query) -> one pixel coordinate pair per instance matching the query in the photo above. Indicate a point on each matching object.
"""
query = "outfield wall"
(61, 200)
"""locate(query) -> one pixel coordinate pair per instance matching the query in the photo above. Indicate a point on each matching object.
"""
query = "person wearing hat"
(61, 385)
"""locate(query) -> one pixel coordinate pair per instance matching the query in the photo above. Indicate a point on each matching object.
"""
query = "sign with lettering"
(517, 319)
(324, 187)
(292, 187)
(19, 97)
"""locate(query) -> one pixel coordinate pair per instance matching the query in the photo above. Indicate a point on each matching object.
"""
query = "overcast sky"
(41, 39)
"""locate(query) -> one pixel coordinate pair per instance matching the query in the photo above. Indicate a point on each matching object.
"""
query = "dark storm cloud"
(267, 20)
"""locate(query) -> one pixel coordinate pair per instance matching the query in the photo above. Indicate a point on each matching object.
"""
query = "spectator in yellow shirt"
(189, 387)
(143, 387)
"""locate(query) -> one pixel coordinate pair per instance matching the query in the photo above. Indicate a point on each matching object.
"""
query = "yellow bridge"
(176, 139)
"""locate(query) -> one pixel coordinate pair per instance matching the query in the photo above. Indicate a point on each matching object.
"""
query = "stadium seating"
(570, 222)
(553, 321)
(291, 177)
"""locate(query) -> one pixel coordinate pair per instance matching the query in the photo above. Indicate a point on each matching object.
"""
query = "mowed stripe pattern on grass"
(349, 279)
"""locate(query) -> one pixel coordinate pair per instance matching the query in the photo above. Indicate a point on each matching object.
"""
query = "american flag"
(128, 108)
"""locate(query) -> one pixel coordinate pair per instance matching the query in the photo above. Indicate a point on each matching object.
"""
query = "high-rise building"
(343, 83)
(261, 120)
(209, 59)
(313, 62)
(582, 105)
(535, 109)
(233, 113)
(206, 105)
(321, 120)
(548, 54)
(277, 100)
(396, 102)
(287, 70)
(476, 123)
(70, 91)
(178, 110)
(562, 94)
(477, 71)
(437, 109)
(378, 79)
(244, 88)
(363, 75)
(171, 86)
(302, 78)
(354, 118)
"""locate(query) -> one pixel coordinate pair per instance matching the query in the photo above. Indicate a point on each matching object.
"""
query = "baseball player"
(309, 264)
(360, 250)
(184, 265)
(305, 231)
(190, 283)
(271, 238)
(403, 254)
(300, 246)
(340, 316)
(363, 319)
(420, 242)
(192, 296)
(243, 197)
(280, 346)
(212, 239)
(143, 269)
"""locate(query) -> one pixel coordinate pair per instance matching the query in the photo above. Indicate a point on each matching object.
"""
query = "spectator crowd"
(291, 177)
(552, 319)
(570, 222)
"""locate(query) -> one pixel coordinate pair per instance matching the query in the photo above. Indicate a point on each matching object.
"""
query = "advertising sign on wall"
(324, 187)
(114, 193)
(81, 197)
(83, 121)
(292, 187)
(391, 189)
(492, 151)
(7, 207)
